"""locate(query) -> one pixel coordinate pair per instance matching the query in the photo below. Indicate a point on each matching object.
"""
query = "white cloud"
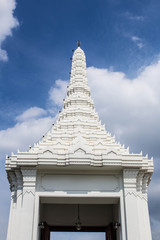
(134, 17)
(7, 23)
(138, 41)
(138, 18)
(33, 112)
(57, 93)
(24, 133)
(130, 108)
(135, 39)
(3, 55)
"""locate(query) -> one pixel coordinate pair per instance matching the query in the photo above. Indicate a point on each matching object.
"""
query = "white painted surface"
(79, 183)
(78, 161)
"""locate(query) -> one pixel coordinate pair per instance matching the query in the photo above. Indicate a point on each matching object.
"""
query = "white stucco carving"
(79, 159)
(79, 183)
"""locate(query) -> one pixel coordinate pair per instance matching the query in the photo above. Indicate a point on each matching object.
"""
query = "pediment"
(80, 150)
(112, 153)
(48, 153)
(79, 140)
(58, 142)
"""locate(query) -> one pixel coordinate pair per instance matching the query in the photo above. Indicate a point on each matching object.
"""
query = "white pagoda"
(78, 178)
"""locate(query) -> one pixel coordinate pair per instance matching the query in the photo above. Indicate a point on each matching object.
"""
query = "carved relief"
(80, 150)
(79, 183)
(145, 182)
(130, 180)
(111, 152)
(29, 192)
(48, 153)
(139, 181)
(29, 177)
(19, 179)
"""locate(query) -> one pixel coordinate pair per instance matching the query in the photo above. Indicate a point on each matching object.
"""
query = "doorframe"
(39, 195)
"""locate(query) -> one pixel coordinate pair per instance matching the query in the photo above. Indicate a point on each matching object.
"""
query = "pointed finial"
(79, 43)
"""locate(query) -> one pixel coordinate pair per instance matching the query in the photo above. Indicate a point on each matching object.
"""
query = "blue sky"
(121, 40)
(77, 235)
(40, 47)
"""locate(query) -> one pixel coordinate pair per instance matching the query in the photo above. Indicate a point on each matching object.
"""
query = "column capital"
(130, 179)
(12, 180)
(139, 181)
(29, 176)
(28, 171)
(130, 173)
(19, 177)
(145, 183)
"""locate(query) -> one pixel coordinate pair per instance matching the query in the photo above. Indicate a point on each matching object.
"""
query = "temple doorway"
(79, 218)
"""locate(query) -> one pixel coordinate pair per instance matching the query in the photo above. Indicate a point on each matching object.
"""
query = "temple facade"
(77, 177)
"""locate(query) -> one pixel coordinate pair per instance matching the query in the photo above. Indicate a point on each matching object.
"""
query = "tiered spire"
(78, 123)
(78, 137)
(78, 105)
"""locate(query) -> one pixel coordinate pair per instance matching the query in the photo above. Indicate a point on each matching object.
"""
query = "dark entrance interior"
(55, 217)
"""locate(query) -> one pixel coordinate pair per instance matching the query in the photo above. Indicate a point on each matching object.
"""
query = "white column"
(146, 223)
(11, 234)
(136, 205)
(122, 217)
(36, 229)
(18, 212)
(140, 204)
(29, 183)
(131, 204)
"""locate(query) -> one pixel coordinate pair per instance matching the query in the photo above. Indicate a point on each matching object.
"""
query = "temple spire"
(79, 43)
(78, 105)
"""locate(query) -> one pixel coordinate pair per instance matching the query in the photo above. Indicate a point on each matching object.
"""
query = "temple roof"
(78, 137)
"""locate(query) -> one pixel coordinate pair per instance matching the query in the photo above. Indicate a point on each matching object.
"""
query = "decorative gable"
(80, 151)
(78, 132)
